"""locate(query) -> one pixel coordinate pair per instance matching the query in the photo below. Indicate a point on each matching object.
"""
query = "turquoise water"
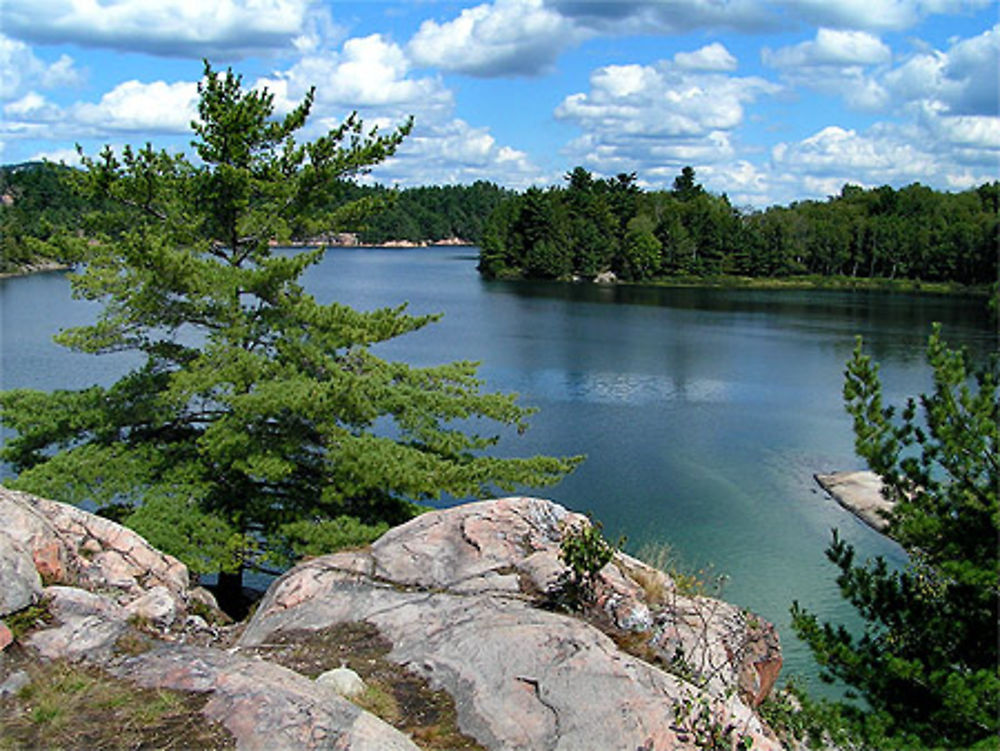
(703, 413)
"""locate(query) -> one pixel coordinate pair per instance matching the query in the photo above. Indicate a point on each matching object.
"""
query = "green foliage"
(927, 662)
(585, 551)
(256, 408)
(38, 203)
(317, 537)
(28, 618)
(696, 722)
(913, 233)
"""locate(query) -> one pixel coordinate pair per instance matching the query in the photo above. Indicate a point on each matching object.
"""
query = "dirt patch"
(395, 694)
(67, 706)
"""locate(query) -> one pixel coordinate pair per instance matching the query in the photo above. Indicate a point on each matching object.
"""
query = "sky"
(770, 102)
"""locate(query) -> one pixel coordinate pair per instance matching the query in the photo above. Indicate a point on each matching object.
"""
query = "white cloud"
(962, 81)
(831, 47)
(31, 106)
(370, 74)
(69, 157)
(875, 15)
(157, 107)
(836, 63)
(507, 37)
(887, 154)
(713, 57)
(23, 71)
(657, 118)
(454, 152)
(660, 101)
(374, 76)
(165, 27)
(857, 66)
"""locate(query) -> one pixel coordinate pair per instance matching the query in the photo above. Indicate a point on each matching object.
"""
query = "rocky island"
(447, 613)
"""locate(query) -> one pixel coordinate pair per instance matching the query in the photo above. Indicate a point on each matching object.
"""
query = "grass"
(398, 696)
(28, 618)
(816, 281)
(687, 582)
(67, 706)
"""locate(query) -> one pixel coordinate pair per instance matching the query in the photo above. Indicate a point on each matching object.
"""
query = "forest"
(37, 201)
(591, 225)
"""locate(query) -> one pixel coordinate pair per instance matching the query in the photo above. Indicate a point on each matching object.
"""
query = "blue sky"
(770, 102)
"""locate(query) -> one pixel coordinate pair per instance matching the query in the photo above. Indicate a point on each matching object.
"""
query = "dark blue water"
(703, 413)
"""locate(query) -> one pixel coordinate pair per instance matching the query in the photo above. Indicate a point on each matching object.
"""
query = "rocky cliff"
(447, 616)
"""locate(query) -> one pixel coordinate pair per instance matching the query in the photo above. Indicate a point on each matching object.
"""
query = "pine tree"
(927, 662)
(260, 421)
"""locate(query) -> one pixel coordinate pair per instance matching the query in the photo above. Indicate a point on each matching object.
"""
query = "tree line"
(427, 213)
(590, 225)
(39, 202)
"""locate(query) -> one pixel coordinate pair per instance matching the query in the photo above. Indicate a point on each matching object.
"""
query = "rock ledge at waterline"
(456, 593)
(859, 492)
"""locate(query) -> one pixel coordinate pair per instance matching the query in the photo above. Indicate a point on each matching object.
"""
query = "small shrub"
(695, 722)
(585, 551)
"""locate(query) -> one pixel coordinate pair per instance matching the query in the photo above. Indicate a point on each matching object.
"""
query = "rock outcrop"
(861, 494)
(456, 592)
(458, 597)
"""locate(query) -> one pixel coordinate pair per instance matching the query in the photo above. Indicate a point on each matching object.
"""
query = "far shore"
(350, 240)
(35, 268)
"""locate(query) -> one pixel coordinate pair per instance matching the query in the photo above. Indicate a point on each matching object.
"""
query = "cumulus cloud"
(367, 73)
(964, 80)
(661, 101)
(454, 152)
(857, 66)
(838, 63)
(371, 75)
(657, 116)
(24, 72)
(888, 153)
(157, 107)
(374, 76)
(507, 37)
(831, 47)
(217, 28)
(714, 57)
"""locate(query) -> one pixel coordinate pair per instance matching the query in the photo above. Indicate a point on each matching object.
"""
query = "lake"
(703, 413)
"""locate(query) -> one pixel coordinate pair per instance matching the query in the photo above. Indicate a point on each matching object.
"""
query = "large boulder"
(71, 546)
(21, 584)
(457, 591)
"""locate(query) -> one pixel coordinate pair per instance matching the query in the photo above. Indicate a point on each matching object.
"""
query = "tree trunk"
(229, 594)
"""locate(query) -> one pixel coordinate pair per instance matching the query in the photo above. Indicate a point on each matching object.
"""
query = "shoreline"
(36, 268)
(807, 283)
(350, 240)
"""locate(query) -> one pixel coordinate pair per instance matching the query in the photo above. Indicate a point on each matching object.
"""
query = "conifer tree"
(927, 661)
(260, 422)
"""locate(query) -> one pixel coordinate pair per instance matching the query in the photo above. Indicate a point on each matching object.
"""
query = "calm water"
(703, 413)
